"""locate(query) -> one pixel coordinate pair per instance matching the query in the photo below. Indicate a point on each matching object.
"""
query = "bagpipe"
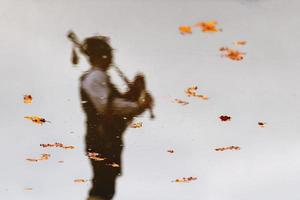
(136, 88)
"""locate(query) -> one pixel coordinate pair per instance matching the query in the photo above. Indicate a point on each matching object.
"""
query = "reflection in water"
(108, 113)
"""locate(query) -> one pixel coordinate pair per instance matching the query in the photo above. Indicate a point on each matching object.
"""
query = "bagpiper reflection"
(108, 112)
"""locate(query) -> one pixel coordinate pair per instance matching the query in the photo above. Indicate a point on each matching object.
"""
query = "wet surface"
(262, 89)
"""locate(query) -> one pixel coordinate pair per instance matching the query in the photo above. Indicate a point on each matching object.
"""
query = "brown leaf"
(27, 99)
(225, 118)
(228, 148)
(182, 102)
(170, 151)
(185, 180)
(261, 124)
(58, 145)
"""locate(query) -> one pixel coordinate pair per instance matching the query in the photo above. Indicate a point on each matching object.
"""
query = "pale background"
(35, 59)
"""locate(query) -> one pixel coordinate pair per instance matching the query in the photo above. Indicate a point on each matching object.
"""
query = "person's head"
(98, 51)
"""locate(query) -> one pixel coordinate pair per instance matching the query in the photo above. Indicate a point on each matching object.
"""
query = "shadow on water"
(108, 112)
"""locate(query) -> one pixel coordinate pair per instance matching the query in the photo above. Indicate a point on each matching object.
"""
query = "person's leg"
(95, 198)
(103, 181)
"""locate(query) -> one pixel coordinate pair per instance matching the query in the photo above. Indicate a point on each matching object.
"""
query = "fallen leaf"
(228, 148)
(225, 118)
(80, 180)
(240, 42)
(185, 180)
(27, 99)
(32, 160)
(232, 53)
(43, 156)
(136, 125)
(182, 102)
(185, 30)
(28, 189)
(60, 161)
(95, 156)
(36, 119)
(208, 27)
(170, 151)
(191, 92)
(56, 144)
(204, 97)
(113, 165)
(262, 124)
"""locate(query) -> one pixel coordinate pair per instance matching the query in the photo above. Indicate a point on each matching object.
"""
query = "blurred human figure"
(108, 114)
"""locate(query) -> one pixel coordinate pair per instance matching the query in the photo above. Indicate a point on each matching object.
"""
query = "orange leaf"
(27, 99)
(43, 156)
(185, 30)
(240, 42)
(208, 27)
(232, 54)
(80, 180)
(191, 92)
(185, 180)
(36, 119)
(136, 125)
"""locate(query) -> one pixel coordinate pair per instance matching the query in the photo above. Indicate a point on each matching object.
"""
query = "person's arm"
(96, 86)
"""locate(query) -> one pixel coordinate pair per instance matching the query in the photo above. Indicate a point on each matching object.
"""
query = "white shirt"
(95, 84)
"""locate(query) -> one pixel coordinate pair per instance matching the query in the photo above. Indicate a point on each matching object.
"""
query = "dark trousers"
(104, 180)
(108, 145)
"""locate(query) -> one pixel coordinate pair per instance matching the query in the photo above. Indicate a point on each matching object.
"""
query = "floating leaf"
(262, 124)
(36, 119)
(27, 99)
(185, 30)
(228, 148)
(80, 180)
(44, 156)
(225, 118)
(113, 165)
(170, 151)
(136, 125)
(58, 145)
(185, 180)
(182, 102)
(240, 42)
(191, 92)
(232, 54)
(28, 189)
(208, 27)
(95, 156)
